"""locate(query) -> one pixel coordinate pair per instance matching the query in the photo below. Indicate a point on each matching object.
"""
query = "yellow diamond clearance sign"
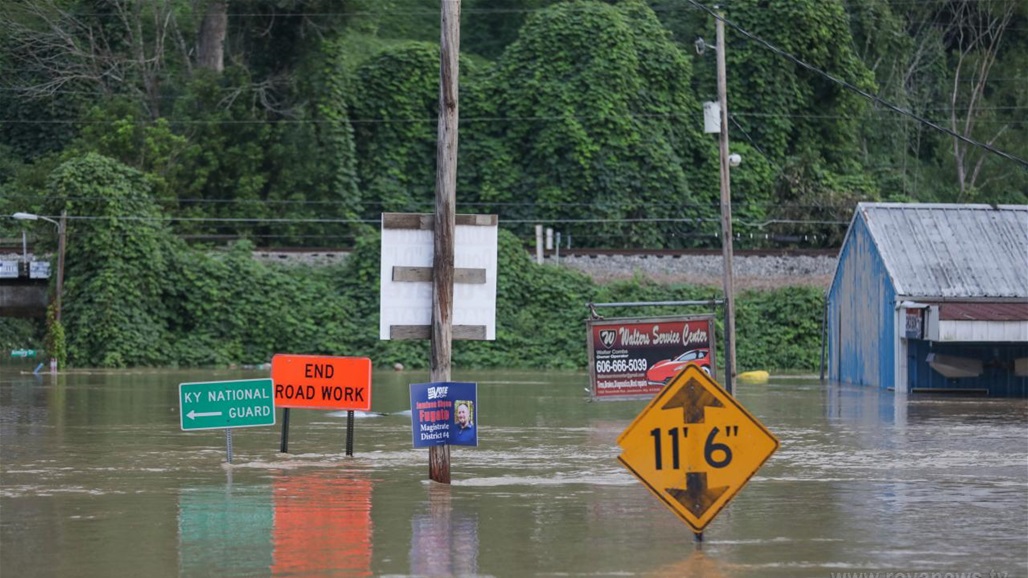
(695, 447)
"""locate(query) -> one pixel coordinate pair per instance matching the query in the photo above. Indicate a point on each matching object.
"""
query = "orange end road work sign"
(318, 382)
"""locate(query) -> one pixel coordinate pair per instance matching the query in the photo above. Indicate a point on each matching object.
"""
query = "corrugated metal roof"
(952, 251)
(983, 311)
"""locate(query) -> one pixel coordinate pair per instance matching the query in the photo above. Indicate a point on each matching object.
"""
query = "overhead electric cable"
(872, 97)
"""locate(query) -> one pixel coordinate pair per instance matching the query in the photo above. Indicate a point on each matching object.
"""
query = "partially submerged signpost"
(418, 287)
(445, 201)
(226, 405)
(321, 382)
(695, 447)
(633, 358)
(444, 413)
(443, 224)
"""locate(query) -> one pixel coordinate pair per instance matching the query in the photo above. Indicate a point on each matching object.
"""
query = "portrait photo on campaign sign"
(462, 430)
(444, 413)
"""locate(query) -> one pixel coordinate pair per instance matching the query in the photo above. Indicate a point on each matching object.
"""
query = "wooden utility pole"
(62, 235)
(726, 211)
(445, 219)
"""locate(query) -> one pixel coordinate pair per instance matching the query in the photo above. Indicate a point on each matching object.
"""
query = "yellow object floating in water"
(753, 377)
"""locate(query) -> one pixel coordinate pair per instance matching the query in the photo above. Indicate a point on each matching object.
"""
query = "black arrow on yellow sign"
(693, 398)
(696, 497)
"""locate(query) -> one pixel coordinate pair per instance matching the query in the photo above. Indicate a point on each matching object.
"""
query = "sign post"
(444, 413)
(637, 357)
(438, 274)
(226, 405)
(321, 382)
(694, 447)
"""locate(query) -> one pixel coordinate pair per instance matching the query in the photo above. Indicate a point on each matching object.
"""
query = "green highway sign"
(226, 404)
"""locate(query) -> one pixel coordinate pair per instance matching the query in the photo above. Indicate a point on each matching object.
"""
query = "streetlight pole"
(61, 229)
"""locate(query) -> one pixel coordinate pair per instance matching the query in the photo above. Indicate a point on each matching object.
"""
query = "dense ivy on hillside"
(583, 115)
(396, 128)
(136, 295)
(597, 131)
(116, 267)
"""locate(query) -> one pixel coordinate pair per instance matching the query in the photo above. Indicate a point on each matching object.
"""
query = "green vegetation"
(317, 115)
(138, 296)
(298, 122)
(55, 344)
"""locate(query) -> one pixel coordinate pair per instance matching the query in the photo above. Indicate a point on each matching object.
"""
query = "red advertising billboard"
(632, 358)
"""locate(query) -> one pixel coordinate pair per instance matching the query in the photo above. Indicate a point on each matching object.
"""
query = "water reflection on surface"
(225, 525)
(96, 480)
(322, 521)
(443, 542)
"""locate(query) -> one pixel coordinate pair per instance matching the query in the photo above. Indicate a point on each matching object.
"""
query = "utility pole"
(62, 233)
(445, 218)
(726, 210)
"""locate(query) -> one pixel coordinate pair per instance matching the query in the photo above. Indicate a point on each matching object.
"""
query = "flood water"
(97, 480)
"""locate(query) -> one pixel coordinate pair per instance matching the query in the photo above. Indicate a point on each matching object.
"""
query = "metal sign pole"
(228, 444)
(285, 431)
(349, 433)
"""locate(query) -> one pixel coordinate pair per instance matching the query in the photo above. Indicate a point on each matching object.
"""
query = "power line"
(556, 221)
(430, 122)
(872, 97)
(754, 143)
(429, 204)
(471, 9)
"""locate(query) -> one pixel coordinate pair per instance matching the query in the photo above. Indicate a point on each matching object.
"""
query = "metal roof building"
(931, 297)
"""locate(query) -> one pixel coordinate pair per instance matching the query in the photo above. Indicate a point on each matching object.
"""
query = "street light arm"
(34, 217)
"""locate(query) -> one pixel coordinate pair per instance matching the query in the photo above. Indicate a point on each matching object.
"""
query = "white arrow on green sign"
(225, 404)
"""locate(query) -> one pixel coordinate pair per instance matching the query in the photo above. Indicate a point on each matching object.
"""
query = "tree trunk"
(978, 39)
(211, 42)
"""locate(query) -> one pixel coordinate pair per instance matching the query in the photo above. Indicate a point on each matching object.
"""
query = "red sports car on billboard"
(663, 371)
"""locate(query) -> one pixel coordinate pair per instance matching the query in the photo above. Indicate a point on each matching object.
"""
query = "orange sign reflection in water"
(311, 537)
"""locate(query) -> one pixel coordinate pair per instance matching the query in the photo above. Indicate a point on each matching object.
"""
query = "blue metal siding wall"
(830, 336)
(833, 315)
(887, 344)
(998, 358)
(932, 251)
(861, 314)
